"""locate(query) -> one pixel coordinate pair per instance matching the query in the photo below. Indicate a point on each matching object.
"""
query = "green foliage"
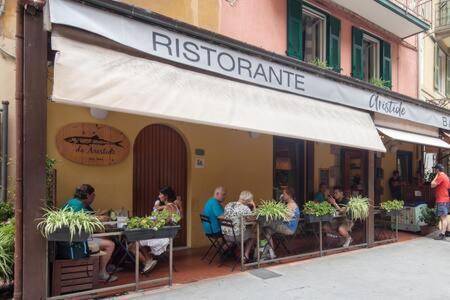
(75, 222)
(49, 173)
(273, 210)
(7, 234)
(6, 211)
(358, 208)
(392, 205)
(379, 82)
(429, 176)
(429, 216)
(318, 209)
(320, 63)
(155, 221)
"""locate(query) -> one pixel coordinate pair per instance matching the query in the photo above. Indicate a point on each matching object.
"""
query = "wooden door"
(159, 159)
(354, 171)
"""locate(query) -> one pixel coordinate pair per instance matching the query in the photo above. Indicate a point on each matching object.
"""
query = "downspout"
(18, 259)
(4, 167)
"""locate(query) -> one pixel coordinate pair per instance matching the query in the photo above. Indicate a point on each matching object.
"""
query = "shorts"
(442, 208)
(279, 228)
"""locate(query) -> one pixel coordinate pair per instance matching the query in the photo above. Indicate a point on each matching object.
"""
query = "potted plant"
(6, 211)
(66, 225)
(392, 207)
(315, 212)
(358, 208)
(429, 217)
(160, 224)
(7, 233)
(272, 211)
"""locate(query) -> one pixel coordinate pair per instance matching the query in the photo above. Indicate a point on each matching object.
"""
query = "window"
(371, 54)
(313, 34)
(371, 58)
(313, 25)
(440, 74)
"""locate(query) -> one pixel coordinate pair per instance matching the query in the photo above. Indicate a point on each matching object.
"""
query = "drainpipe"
(4, 167)
(18, 259)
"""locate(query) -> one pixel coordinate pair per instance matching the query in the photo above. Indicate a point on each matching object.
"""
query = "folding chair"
(215, 239)
(282, 240)
(232, 245)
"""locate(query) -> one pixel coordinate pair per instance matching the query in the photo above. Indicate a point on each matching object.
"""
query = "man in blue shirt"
(213, 209)
(323, 193)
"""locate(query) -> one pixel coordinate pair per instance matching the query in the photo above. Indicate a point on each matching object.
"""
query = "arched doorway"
(159, 159)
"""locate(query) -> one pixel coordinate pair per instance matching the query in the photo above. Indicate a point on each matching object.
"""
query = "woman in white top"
(155, 247)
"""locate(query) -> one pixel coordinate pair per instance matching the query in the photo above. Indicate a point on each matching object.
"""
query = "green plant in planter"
(318, 209)
(272, 210)
(358, 208)
(66, 218)
(320, 63)
(392, 205)
(7, 233)
(429, 216)
(379, 83)
(6, 211)
(155, 221)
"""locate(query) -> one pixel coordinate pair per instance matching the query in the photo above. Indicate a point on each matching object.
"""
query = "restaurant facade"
(138, 100)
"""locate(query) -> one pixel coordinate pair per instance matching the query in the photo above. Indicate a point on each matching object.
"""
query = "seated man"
(83, 198)
(323, 193)
(213, 209)
(343, 225)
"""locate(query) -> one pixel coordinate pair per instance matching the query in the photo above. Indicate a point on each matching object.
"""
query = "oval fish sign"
(92, 144)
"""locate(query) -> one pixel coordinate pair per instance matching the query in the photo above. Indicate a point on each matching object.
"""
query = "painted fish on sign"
(92, 144)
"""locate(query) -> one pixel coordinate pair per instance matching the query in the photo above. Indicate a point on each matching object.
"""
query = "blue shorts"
(442, 208)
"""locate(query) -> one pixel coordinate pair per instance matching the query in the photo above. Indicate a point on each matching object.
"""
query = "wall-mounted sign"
(92, 144)
(199, 162)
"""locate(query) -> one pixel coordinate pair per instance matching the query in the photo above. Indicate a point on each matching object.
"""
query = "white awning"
(413, 138)
(93, 76)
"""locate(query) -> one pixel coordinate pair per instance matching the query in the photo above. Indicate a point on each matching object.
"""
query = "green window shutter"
(294, 29)
(436, 67)
(386, 63)
(334, 43)
(447, 87)
(357, 53)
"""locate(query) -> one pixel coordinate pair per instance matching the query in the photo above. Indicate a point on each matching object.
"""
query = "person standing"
(395, 186)
(441, 184)
(213, 209)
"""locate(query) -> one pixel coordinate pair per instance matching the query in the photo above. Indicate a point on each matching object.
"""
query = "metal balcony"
(403, 18)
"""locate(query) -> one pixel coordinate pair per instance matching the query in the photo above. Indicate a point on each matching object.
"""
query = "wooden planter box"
(63, 235)
(314, 219)
(74, 275)
(138, 234)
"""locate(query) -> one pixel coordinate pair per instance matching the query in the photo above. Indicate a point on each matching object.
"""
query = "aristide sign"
(216, 59)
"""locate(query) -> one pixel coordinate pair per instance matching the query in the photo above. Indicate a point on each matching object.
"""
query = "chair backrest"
(229, 224)
(206, 219)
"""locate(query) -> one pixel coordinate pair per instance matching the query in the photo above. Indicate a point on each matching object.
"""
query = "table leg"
(320, 238)
(170, 261)
(242, 243)
(396, 228)
(136, 266)
(258, 256)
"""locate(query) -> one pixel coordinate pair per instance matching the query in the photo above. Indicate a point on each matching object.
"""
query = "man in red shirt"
(441, 185)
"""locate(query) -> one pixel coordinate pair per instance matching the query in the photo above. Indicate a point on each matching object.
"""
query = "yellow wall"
(233, 160)
(389, 164)
(201, 13)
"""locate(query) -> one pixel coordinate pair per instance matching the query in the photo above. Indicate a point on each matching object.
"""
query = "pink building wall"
(262, 23)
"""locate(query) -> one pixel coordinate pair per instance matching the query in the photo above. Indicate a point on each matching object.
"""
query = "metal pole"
(258, 256)
(170, 261)
(396, 227)
(4, 195)
(136, 266)
(242, 243)
(320, 238)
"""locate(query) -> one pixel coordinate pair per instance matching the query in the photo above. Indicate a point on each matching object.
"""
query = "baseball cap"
(439, 167)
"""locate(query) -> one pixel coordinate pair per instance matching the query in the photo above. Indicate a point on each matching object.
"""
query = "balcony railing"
(442, 14)
(421, 9)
